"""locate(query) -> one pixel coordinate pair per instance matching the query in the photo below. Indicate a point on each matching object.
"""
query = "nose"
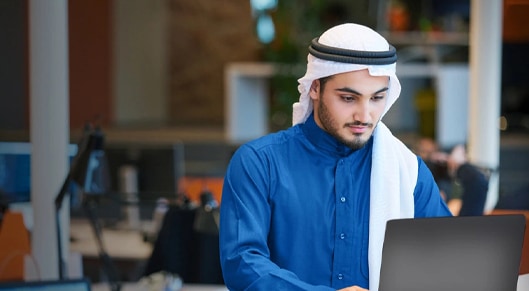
(362, 112)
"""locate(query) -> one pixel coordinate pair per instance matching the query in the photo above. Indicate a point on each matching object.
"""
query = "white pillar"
(485, 88)
(49, 128)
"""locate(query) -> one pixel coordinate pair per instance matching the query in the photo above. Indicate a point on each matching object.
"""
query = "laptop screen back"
(452, 253)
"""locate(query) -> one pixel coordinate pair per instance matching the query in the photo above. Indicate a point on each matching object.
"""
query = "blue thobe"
(294, 213)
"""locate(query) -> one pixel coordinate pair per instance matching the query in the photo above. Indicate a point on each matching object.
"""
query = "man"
(306, 208)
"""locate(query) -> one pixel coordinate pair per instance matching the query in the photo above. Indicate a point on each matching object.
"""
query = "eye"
(348, 98)
(379, 97)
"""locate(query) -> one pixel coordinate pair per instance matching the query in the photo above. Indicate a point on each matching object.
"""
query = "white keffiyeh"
(394, 167)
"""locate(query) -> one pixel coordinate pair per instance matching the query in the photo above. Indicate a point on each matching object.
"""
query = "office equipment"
(158, 169)
(89, 170)
(47, 285)
(15, 171)
(159, 166)
(452, 253)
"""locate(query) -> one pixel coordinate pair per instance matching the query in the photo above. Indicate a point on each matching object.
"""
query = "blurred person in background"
(428, 149)
(463, 185)
(470, 184)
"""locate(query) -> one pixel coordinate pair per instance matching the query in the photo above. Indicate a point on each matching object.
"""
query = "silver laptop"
(452, 253)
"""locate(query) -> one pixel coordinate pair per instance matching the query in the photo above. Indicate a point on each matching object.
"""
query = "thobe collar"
(326, 142)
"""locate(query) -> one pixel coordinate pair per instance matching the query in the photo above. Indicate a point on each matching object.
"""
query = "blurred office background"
(161, 78)
(157, 71)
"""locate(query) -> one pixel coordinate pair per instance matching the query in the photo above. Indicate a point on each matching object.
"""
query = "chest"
(312, 189)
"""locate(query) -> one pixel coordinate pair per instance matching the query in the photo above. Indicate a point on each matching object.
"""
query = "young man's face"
(350, 105)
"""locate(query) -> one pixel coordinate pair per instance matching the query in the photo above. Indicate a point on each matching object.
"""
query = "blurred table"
(126, 248)
(523, 282)
(139, 287)
(119, 243)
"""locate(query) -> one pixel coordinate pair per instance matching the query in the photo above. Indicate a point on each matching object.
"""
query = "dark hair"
(323, 81)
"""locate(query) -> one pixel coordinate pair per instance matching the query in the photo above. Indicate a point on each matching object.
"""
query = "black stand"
(88, 172)
(89, 205)
(80, 159)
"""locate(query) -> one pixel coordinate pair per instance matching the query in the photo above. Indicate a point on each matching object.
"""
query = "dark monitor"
(158, 167)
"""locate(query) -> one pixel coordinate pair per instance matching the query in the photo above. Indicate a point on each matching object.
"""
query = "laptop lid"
(82, 284)
(452, 253)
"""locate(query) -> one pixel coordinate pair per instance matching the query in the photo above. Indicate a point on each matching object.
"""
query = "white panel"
(452, 105)
(247, 97)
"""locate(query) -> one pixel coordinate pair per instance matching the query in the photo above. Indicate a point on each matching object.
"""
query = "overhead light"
(265, 28)
(261, 5)
(503, 123)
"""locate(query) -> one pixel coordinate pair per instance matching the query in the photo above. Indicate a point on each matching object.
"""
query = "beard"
(331, 126)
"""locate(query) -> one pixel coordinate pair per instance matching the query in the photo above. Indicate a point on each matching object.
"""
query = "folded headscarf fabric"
(394, 171)
(394, 167)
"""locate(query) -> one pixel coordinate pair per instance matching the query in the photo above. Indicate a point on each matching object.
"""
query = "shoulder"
(257, 156)
(423, 167)
(268, 147)
(272, 140)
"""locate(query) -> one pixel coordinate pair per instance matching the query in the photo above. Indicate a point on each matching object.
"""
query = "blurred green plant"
(296, 23)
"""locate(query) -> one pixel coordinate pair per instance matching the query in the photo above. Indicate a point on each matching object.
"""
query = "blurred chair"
(14, 246)
(182, 248)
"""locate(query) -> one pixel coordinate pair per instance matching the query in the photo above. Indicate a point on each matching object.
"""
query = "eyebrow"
(350, 90)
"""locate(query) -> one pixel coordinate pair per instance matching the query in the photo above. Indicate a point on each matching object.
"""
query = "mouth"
(358, 129)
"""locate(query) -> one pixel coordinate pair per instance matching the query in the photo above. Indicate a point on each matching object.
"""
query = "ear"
(314, 91)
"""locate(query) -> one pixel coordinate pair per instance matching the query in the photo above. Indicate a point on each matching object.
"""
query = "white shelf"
(247, 98)
(427, 38)
(246, 102)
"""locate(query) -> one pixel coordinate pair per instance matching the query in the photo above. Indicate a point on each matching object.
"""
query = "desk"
(119, 243)
(523, 285)
(179, 249)
(523, 282)
(139, 287)
(125, 247)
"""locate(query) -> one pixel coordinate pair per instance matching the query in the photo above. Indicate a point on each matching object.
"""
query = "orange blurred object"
(398, 17)
(14, 246)
(515, 26)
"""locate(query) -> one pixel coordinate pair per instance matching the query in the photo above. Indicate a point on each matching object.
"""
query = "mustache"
(358, 123)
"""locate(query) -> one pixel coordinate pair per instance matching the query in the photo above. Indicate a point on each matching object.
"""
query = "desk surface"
(118, 243)
(523, 282)
(139, 287)
(523, 285)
